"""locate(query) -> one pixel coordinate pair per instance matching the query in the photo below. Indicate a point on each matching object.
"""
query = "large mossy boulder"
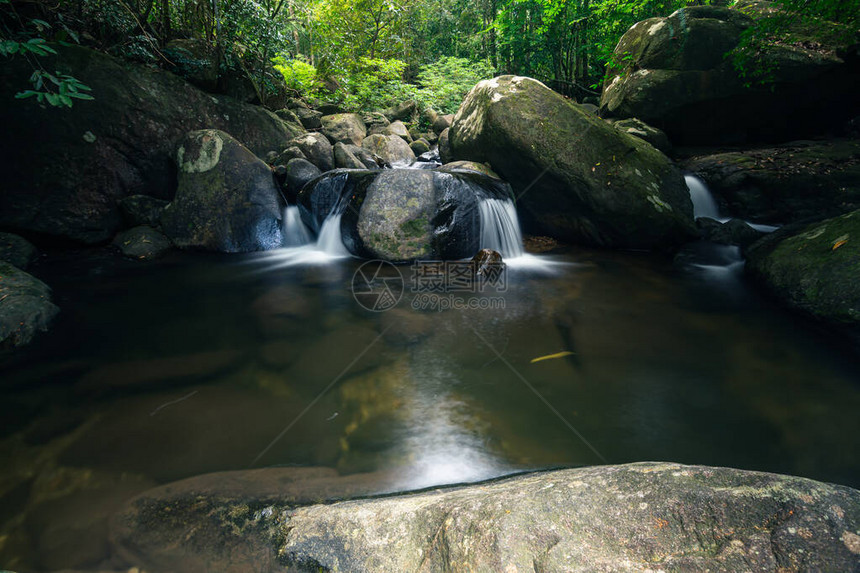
(796, 181)
(576, 177)
(227, 199)
(17, 250)
(676, 74)
(65, 170)
(403, 214)
(25, 307)
(635, 517)
(388, 149)
(344, 128)
(814, 269)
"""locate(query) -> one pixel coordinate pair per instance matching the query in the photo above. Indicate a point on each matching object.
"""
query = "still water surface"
(200, 363)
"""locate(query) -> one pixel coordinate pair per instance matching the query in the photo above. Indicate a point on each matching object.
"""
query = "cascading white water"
(329, 240)
(296, 233)
(704, 204)
(500, 228)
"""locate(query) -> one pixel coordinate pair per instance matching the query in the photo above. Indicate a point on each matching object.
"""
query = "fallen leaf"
(561, 354)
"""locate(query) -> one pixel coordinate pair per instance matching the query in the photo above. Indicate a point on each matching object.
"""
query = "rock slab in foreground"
(227, 199)
(25, 306)
(815, 269)
(636, 517)
(577, 178)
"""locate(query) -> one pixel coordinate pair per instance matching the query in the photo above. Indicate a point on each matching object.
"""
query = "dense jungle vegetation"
(364, 54)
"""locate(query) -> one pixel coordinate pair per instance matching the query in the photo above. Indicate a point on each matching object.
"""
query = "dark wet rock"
(65, 178)
(485, 261)
(403, 111)
(590, 519)
(317, 150)
(142, 243)
(781, 184)
(442, 123)
(25, 307)
(673, 74)
(419, 147)
(195, 60)
(608, 518)
(310, 119)
(227, 199)
(399, 129)
(288, 115)
(389, 149)
(640, 129)
(17, 251)
(813, 269)
(344, 128)
(580, 179)
(142, 210)
(445, 155)
(299, 172)
(403, 214)
(459, 166)
(353, 157)
(291, 152)
(236, 517)
(732, 232)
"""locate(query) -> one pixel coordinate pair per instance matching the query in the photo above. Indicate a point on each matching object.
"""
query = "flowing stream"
(194, 364)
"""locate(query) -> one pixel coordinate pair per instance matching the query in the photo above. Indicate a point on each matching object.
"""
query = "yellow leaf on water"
(551, 356)
(839, 242)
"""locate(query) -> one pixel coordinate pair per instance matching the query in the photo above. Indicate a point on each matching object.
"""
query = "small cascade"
(500, 228)
(704, 204)
(296, 233)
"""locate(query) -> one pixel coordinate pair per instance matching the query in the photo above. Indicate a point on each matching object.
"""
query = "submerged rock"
(25, 307)
(227, 199)
(785, 183)
(65, 178)
(814, 269)
(578, 179)
(143, 243)
(17, 250)
(609, 518)
(673, 73)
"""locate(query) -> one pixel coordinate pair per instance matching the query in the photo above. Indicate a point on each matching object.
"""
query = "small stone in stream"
(485, 262)
(25, 306)
(142, 243)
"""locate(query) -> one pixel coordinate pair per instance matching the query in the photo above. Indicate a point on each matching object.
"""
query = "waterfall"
(500, 228)
(296, 233)
(704, 204)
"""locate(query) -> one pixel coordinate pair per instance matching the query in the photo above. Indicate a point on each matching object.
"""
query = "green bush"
(299, 76)
(375, 83)
(446, 82)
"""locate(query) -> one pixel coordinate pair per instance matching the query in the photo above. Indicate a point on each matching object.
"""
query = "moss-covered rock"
(25, 307)
(673, 73)
(227, 199)
(388, 149)
(316, 149)
(815, 270)
(344, 128)
(782, 184)
(66, 169)
(578, 178)
(17, 251)
(640, 129)
(142, 210)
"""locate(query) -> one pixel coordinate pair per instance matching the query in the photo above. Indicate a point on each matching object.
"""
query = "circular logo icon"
(377, 286)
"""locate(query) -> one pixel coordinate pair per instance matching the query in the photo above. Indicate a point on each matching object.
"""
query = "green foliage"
(446, 82)
(375, 83)
(16, 38)
(299, 75)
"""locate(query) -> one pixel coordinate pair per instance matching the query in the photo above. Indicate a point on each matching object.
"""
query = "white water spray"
(296, 233)
(500, 228)
(704, 204)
